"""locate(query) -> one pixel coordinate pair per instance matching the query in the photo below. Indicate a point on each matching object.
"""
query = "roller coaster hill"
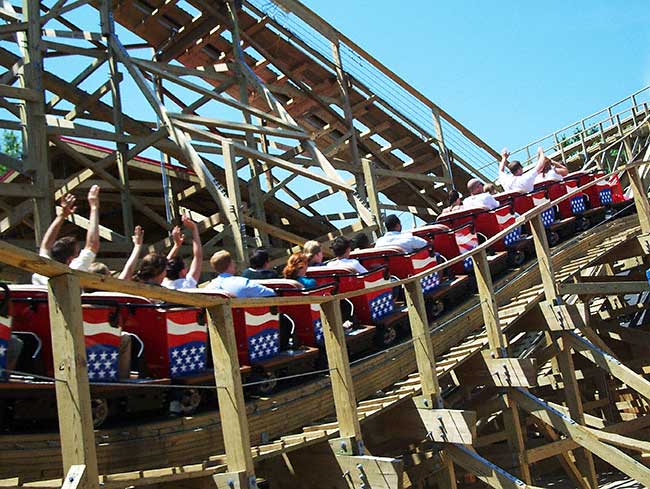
(512, 347)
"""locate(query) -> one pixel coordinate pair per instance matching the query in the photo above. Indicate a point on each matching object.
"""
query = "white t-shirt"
(348, 263)
(551, 176)
(406, 241)
(179, 283)
(523, 183)
(82, 262)
(480, 201)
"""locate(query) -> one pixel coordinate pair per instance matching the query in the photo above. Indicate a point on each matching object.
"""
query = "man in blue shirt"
(224, 265)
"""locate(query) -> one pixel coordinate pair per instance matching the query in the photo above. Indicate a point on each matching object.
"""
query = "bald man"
(478, 198)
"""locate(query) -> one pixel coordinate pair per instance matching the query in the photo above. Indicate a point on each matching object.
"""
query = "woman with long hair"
(297, 268)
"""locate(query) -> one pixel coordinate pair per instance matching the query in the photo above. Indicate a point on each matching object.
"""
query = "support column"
(32, 115)
(121, 158)
(498, 349)
(235, 212)
(254, 189)
(345, 402)
(373, 197)
(232, 408)
(584, 459)
(344, 85)
(426, 361)
(640, 199)
(444, 154)
(72, 388)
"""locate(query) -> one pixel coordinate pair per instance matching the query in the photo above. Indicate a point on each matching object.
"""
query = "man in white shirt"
(178, 275)
(395, 237)
(67, 250)
(512, 176)
(341, 248)
(478, 198)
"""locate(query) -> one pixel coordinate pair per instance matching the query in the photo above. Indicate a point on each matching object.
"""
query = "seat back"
(5, 329)
(577, 202)
(444, 241)
(369, 308)
(467, 240)
(174, 338)
(305, 318)
(539, 198)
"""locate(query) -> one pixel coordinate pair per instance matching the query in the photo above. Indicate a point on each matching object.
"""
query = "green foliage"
(12, 146)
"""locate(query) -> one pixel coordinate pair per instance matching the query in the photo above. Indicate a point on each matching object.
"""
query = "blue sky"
(510, 71)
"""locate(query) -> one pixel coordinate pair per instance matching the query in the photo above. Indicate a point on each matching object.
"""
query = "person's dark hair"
(151, 266)
(174, 268)
(99, 268)
(361, 241)
(513, 166)
(64, 248)
(259, 258)
(453, 196)
(391, 222)
(340, 246)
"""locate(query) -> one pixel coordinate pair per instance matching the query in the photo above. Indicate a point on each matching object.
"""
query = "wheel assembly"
(99, 409)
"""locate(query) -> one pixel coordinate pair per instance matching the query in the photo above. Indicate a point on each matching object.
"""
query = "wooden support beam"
(72, 387)
(640, 199)
(371, 192)
(544, 262)
(483, 469)
(33, 116)
(121, 155)
(581, 435)
(345, 402)
(614, 367)
(424, 352)
(615, 287)
(230, 393)
(235, 210)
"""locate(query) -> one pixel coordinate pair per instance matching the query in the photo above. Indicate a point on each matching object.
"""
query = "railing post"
(72, 388)
(345, 402)
(564, 362)
(498, 349)
(424, 354)
(230, 393)
(640, 199)
(560, 145)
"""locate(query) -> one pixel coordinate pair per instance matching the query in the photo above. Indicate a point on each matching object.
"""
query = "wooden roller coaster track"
(451, 398)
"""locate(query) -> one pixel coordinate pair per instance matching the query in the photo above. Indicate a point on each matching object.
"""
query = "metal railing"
(577, 138)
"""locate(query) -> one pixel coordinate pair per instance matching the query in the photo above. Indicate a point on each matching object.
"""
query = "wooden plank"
(604, 288)
(483, 469)
(488, 303)
(72, 388)
(449, 425)
(543, 253)
(236, 215)
(232, 408)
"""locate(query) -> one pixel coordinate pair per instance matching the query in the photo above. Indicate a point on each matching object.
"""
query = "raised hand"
(93, 196)
(138, 236)
(188, 222)
(68, 206)
(505, 153)
(177, 236)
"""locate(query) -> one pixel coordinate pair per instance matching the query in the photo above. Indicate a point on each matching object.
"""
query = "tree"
(12, 146)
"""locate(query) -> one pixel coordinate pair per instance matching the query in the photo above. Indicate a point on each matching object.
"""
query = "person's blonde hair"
(294, 264)
(311, 249)
(220, 261)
